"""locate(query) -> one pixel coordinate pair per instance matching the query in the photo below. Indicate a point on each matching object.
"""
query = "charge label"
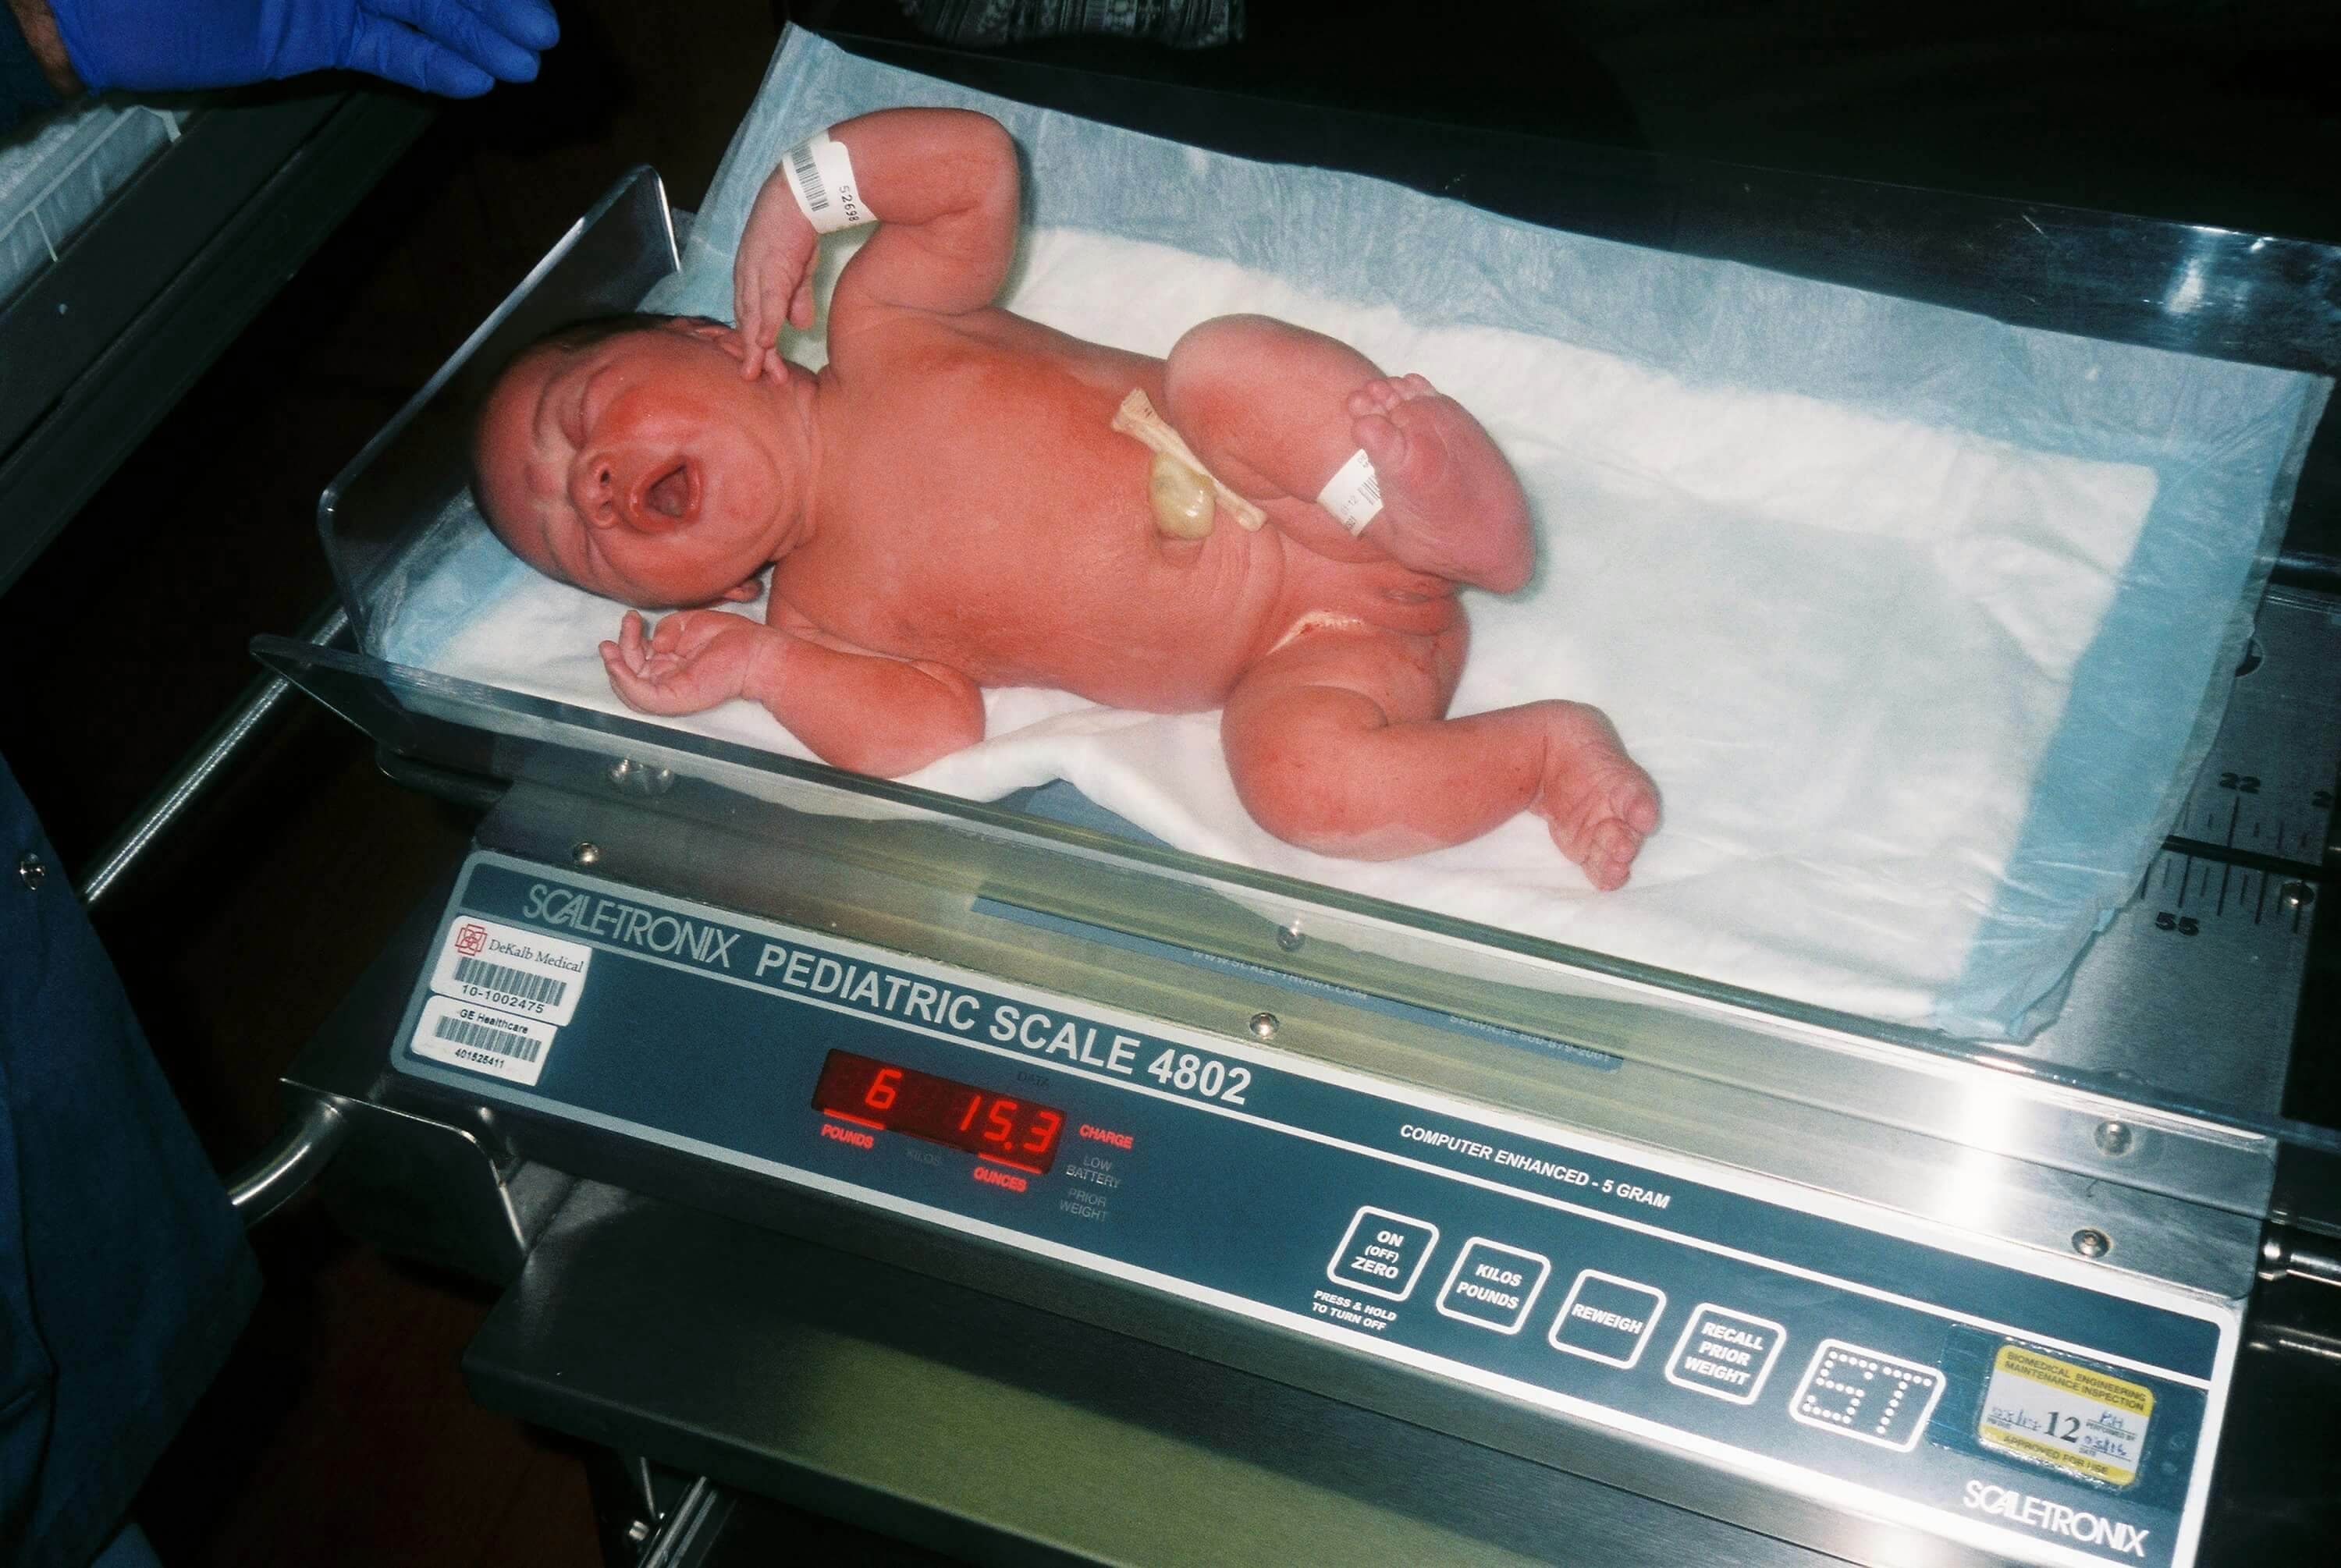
(2068, 1417)
(511, 969)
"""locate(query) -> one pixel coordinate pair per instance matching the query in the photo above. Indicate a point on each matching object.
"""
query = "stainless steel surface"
(210, 759)
(440, 1187)
(1981, 1152)
(303, 1147)
(2193, 990)
(995, 1432)
(2040, 1107)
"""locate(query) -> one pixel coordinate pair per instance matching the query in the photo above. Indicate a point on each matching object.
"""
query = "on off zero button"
(1382, 1254)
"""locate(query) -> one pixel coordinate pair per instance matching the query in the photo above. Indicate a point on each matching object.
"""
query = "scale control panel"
(2019, 1404)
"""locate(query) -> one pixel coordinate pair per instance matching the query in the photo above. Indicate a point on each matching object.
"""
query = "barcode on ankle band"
(809, 183)
(821, 177)
(1354, 494)
(511, 969)
(482, 1040)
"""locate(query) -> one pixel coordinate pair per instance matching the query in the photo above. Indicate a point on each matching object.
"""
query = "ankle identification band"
(821, 177)
(1354, 494)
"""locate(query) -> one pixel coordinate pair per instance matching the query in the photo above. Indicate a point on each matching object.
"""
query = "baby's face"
(643, 467)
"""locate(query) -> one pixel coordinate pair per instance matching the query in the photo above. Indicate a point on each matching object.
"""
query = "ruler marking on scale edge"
(2225, 872)
(2259, 901)
(2234, 815)
(2186, 875)
(2283, 865)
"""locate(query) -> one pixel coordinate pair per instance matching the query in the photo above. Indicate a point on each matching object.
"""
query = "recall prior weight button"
(1493, 1286)
(1383, 1252)
(1725, 1353)
(1607, 1318)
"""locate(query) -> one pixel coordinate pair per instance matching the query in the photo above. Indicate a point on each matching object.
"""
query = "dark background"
(340, 1434)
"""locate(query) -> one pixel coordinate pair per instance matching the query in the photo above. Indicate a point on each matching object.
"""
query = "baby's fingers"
(800, 306)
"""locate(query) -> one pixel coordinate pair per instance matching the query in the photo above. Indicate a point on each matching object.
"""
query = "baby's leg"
(1336, 744)
(1275, 410)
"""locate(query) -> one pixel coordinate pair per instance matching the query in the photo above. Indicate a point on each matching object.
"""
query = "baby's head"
(629, 456)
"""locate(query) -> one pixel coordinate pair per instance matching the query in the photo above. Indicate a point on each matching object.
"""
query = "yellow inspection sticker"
(2068, 1417)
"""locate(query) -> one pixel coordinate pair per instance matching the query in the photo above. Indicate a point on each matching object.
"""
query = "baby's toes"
(1610, 854)
(1635, 799)
(1415, 386)
(1384, 443)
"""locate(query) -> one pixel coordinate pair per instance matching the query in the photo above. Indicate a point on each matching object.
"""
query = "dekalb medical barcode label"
(512, 970)
(482, 1039)
(2068, 1417)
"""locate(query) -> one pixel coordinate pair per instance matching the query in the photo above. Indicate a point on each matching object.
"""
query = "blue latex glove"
(458, 48)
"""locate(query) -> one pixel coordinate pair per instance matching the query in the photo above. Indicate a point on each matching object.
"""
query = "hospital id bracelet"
(821, 177)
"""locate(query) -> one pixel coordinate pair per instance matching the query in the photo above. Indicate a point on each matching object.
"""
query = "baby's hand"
(771, 275)
(694, 661)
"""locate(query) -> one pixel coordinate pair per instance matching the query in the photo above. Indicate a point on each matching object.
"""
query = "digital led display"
(958, 1115)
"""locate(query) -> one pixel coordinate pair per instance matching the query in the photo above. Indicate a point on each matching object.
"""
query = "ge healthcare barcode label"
(482, 1039)
(512, 970)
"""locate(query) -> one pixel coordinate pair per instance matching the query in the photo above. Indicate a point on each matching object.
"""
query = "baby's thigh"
(1381, 676)
(1264, 403)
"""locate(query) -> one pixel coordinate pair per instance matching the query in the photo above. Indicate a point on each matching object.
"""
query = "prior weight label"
(2071, 1418)
(482, 1039)
(512, 970)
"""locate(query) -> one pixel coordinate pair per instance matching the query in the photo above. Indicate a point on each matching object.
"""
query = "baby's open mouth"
(673, 494)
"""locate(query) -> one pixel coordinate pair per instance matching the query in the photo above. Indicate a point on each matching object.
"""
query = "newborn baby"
(964, 499)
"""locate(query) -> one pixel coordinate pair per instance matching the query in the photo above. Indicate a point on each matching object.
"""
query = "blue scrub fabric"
(124, 1276)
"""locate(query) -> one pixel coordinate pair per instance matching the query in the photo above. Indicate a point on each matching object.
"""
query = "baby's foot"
(1597, 801)
(1451, 505)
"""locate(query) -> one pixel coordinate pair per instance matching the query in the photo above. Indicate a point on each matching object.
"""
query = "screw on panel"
(2090, 1242)
(585, 852)
(1264, 1025)
(2115, 1138)
(2296, 895)
(1289, 938)
(31, 872)
(639, 1531)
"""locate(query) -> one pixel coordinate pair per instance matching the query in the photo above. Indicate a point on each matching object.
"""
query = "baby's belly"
(1087, 598)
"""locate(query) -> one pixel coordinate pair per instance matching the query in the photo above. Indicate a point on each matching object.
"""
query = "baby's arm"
(886, 717)
(942, 183)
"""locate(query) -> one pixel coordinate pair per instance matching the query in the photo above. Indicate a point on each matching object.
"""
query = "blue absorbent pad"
(1922, 622)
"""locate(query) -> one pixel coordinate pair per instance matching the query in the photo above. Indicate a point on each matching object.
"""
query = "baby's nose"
(596, 489)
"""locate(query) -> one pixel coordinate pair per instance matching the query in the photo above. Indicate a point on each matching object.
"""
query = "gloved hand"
(455, 47)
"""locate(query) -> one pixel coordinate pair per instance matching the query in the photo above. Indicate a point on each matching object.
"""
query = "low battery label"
(2068, 1417)
(482, 1039)
(512, 970)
